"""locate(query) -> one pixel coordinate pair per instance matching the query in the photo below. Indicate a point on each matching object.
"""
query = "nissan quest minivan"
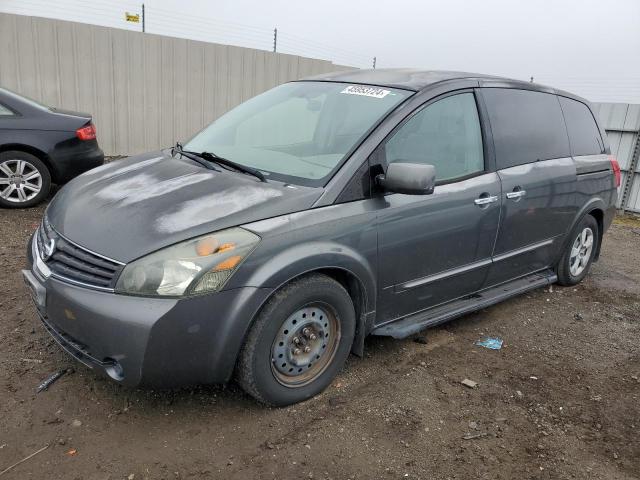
(268, 246)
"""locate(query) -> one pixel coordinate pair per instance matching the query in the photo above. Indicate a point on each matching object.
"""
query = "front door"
(435, 248)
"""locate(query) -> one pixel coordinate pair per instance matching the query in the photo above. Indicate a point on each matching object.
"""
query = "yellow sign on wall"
(132, 17)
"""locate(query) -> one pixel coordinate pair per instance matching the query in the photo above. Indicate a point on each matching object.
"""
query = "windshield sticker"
(367, 91)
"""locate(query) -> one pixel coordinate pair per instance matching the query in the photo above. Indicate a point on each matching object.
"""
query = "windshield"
(299, 132)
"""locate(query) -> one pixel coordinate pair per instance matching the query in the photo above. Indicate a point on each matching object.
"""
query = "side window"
(445, 134)
(584, 135)
(527, 126)
(5, 112)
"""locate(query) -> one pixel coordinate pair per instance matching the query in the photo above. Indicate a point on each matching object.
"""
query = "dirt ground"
(559, 400)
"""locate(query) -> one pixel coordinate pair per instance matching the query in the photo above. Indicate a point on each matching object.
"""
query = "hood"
(129, 208)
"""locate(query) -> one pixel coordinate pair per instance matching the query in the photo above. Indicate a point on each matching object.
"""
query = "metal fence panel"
(633, 203)
(144, 91)
(622, 123)
(622, 145)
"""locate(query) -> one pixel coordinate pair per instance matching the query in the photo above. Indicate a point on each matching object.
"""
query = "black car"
(41, 145)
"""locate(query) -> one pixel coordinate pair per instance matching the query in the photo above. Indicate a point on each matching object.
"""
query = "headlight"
(196, 266)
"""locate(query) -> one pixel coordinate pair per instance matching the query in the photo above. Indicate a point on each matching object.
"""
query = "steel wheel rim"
(20, 181)
(581, 252)
(305, 345)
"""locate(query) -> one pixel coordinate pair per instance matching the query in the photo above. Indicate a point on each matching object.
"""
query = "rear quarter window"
(527, 126)
(5, 111)
(584, 134)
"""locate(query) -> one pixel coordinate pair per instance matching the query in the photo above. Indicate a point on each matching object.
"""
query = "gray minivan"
(270, 245)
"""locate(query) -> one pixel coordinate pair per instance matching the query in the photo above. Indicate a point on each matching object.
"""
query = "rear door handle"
(486, 200)
(516, 194)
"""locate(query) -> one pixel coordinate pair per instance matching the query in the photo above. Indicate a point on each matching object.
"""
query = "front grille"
(74, 263)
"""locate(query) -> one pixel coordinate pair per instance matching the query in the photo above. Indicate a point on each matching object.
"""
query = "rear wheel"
(24, 180)
(579, 253)
(299, 341)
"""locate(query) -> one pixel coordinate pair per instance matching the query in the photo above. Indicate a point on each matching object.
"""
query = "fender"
(272, 271)
(596, 203)
(27, 141)
(299, 259)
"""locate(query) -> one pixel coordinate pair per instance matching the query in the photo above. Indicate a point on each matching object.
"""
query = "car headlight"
(199, 265)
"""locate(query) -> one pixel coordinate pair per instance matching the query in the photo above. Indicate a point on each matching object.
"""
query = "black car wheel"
(24, 180)
(299, 341)
(579, 253)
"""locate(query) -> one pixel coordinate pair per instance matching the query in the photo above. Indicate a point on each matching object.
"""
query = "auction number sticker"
(367, 91)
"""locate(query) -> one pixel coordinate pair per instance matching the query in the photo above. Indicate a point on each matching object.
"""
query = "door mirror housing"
(408, 178)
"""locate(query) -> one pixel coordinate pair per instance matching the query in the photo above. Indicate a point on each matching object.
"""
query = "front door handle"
(485, 200)
(516, 194)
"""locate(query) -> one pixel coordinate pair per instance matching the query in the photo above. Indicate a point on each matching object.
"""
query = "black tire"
(32, 163)
(565, 275)
(256, 372)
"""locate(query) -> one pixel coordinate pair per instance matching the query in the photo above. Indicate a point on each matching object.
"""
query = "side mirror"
(408, 178)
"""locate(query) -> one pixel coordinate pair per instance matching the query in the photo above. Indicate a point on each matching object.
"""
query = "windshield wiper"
(212, 157)
(193, 156)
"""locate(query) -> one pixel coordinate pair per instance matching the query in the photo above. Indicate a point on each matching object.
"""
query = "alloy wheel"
(581, 252)
(20, 181)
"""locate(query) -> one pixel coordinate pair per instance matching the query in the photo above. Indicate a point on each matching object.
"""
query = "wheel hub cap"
(304, 345)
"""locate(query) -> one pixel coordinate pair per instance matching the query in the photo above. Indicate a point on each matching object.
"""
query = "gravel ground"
(559, 400)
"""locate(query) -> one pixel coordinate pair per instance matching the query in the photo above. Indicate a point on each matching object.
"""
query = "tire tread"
(245, 374)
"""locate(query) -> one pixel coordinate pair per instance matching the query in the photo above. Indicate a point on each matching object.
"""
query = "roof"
(406, 78)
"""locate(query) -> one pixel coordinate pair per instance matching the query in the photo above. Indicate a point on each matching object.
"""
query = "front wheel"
(579, 253)
(299, 341)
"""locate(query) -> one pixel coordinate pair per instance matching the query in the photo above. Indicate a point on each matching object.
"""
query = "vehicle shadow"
(381, 353)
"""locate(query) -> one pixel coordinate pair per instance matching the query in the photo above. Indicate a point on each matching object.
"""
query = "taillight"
(615, 166)
(88, 132)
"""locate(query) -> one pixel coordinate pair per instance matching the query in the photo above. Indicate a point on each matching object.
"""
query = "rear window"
(527, 126)
(584, 135)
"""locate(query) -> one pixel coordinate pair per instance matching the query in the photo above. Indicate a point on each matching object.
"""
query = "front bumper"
(147, 341)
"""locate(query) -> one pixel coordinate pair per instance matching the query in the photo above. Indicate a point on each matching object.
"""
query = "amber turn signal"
(210, 245)
(225, 247)
(207, 246)
(228, 264)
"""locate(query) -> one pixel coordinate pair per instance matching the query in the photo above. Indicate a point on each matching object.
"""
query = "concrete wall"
(145, 91)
